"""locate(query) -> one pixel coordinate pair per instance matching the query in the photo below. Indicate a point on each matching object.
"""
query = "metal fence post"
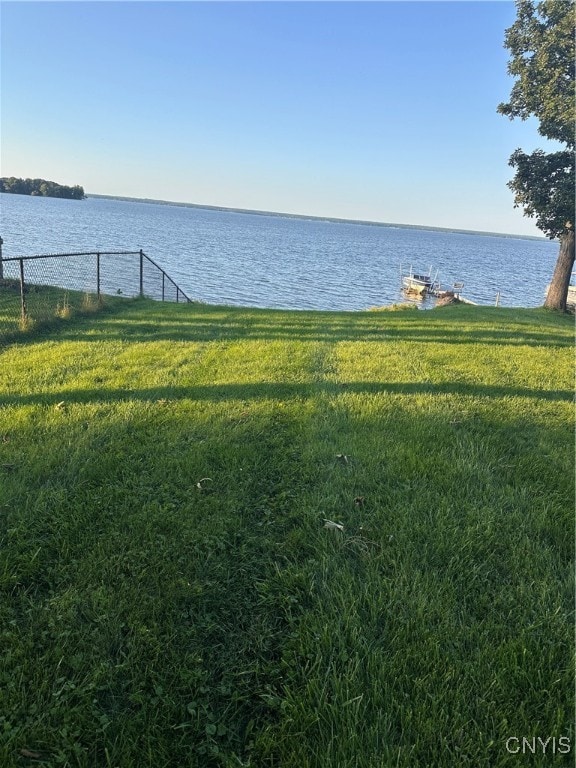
(98, 277)
(177, 295)
(141, 273)
(1, 264)
(22, 298)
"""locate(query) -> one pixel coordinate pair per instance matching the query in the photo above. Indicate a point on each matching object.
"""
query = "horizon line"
(335, 219)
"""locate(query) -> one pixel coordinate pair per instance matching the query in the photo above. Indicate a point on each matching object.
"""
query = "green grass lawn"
(44, 307)
(171, 597)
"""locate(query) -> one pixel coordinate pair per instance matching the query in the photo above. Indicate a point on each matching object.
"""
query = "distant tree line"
(41, 188)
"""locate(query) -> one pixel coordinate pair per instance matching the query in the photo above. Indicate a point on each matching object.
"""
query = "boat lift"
(420, 283)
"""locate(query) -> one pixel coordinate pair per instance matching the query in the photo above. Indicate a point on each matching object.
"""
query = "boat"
(419, 282)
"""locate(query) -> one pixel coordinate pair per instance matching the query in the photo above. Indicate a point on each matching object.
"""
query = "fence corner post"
(141, 273)
(99, 297)
(22, 296)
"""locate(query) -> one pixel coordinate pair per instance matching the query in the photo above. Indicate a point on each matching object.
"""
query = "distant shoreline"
(315, 218)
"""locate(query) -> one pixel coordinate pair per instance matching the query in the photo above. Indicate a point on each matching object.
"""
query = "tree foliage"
(542, 47)
(544, 186)
(541, 44)
(40, 187)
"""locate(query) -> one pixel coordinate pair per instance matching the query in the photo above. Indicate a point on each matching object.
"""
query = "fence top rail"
(100, 253)
(79, 253)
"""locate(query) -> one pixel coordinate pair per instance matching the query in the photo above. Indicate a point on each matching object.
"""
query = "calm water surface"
(225, 257)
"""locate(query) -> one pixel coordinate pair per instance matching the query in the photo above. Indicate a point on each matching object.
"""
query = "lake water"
(237, 258)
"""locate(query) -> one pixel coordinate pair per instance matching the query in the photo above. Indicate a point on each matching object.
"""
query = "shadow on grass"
(138, 321)
(216, 599)
(282, 391)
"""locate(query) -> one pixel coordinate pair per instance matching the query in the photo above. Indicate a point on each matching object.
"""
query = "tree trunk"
(558, 291)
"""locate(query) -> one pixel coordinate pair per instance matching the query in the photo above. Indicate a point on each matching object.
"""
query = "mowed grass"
(171, 597)
(45, 307)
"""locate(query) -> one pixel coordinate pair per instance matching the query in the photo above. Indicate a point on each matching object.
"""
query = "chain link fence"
(36, 290)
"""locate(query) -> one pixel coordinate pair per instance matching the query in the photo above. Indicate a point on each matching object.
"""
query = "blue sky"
(383, 111)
